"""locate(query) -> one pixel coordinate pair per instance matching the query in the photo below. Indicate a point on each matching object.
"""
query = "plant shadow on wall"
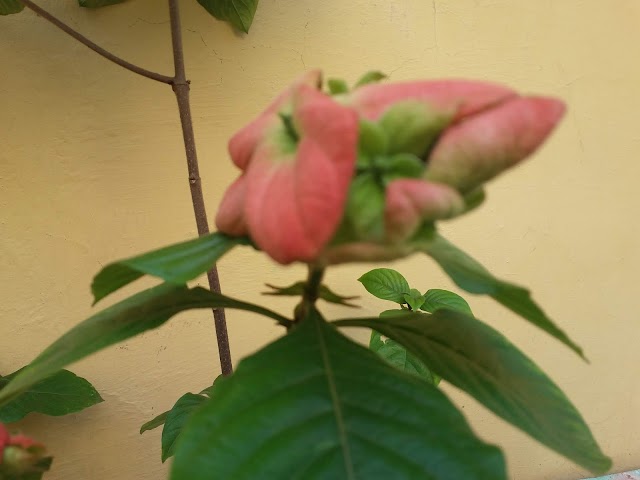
(360, 174)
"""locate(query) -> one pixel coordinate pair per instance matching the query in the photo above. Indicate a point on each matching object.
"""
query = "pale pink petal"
(456, 97)
(295, 199)
(25, 442)
(243, 143)
(410, 202)
(331, 126)
(293, 205)
(4, 440)
(230, 217)
(483, 145)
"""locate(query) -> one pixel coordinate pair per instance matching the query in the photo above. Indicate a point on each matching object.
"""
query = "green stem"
(310, 295)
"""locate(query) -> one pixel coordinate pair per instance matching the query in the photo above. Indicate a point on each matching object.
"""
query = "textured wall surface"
(92, 169)
(635, 475)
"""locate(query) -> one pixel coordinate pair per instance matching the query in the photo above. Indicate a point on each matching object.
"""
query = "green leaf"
(474, 199)
(98, 3)
(393, 313)
(398, 356)
(469, 275)
(414, 299)
(371, 140)
(154, 422)
(137, 314)
(176, 420)
(373, 76)
(209, 391)
(60, 394)
(177, 263)
(7, 7)
(385, 283)
(293, 290)
(436, 299)
(314, 404)
(324, 292)
(412, 127)
(337, 86)
(162, 418)
(238, 13)
(328, 295)
(365, 207)
(402, 165)
(479, 360)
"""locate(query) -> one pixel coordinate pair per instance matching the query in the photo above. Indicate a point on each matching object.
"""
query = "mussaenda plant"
(351, 175)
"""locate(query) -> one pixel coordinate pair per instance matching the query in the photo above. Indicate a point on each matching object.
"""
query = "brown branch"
(180, 86)
(181, 89)
(96, 48)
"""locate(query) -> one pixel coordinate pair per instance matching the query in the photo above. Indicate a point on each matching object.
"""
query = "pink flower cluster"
(19, 454)
(309, 158)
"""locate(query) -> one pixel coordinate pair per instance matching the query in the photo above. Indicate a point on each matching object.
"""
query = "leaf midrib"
(337, 407)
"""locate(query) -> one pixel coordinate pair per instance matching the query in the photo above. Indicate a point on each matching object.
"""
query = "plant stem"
(310, 294)
(96, 48)
(181, 88)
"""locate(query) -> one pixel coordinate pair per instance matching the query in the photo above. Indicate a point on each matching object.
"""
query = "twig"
(181, 89)
(180, 86)
(96, 48)
(310, 294)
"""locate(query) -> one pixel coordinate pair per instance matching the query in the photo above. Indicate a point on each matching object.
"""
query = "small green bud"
(337, 86)
(372, 76)
(412, 127)
(373, 140)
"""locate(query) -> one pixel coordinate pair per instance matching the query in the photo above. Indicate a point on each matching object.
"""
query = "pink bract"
(297, 161)
(244, 142)
(492, 127)
(481, 146)
(292, 192)
(4, 440)
(409, 202)
(456, 97)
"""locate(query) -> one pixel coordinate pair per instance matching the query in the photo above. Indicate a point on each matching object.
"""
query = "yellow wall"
(92, 169)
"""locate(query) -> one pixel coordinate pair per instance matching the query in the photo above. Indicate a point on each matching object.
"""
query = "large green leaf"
(385, 283)
(7, 7)
(177, 263)
(469, 275)
(144, 311)
(316, 405)
(482, 362)
(60, 394)
(98, 3)
(437, 299)
(238, 13)
(398, 356)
